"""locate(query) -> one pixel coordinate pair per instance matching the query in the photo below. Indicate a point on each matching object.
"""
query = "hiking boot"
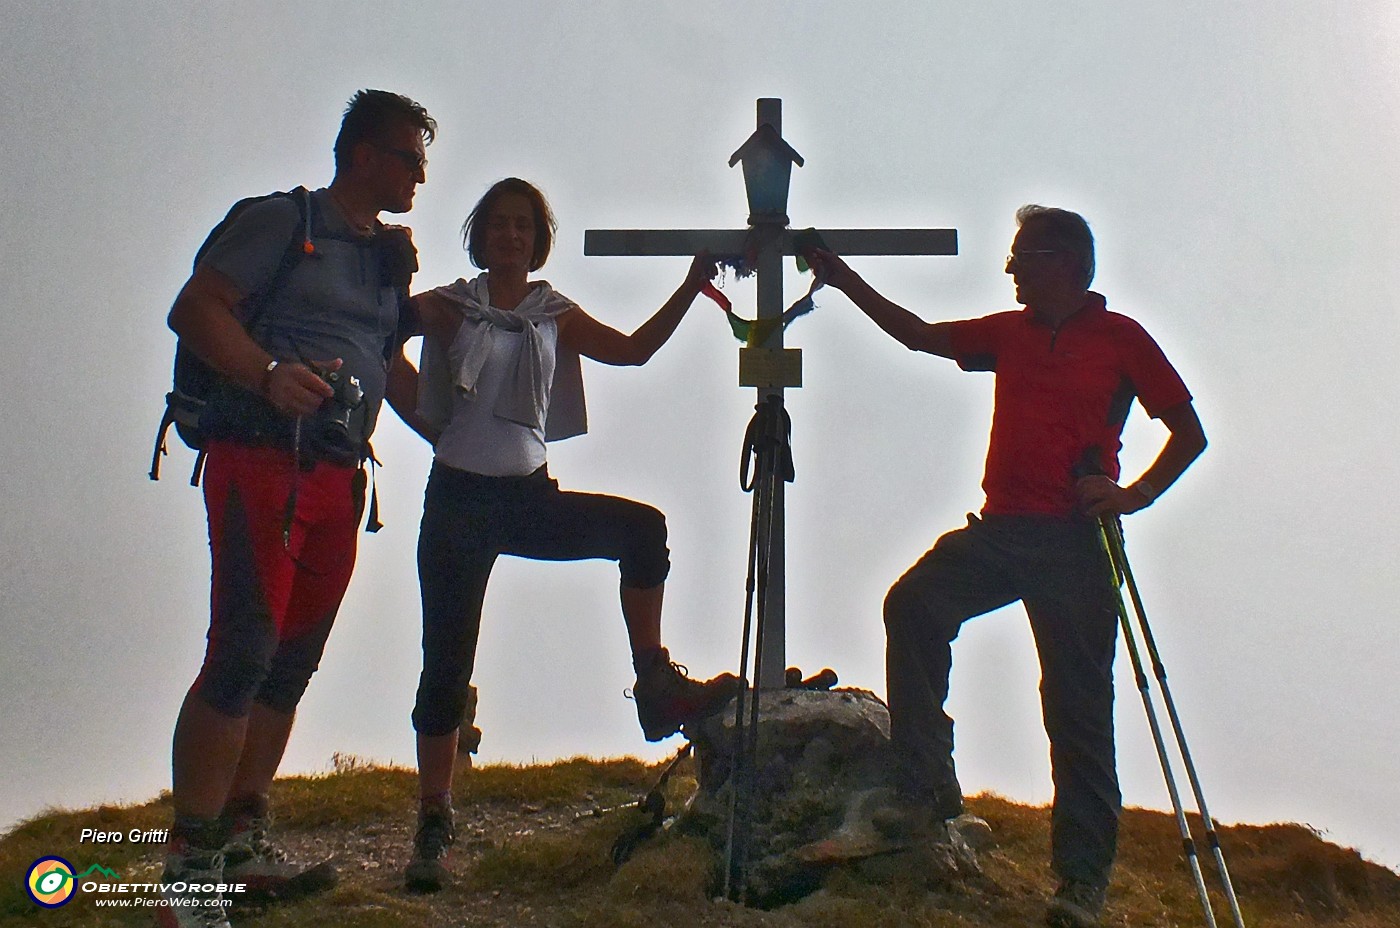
(193, 870)
(427, 873)
(910, 816)
(973, 831)
(251, 858)
(667, 698)
(923, 813)
(1076, 904)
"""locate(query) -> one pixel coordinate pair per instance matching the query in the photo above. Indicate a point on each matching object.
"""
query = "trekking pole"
(767, 441)
(749, 737)
(1188, 844)
(736, 765)
(736, 843)
(1113, 533)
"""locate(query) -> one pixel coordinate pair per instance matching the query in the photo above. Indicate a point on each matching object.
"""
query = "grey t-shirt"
(331, 304)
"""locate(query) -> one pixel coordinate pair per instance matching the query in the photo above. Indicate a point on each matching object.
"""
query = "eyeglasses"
(411, 159)
(1018, 255)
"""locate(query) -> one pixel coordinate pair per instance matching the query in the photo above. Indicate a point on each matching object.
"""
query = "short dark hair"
(474, 232)
(372, 113)
(1066, 230)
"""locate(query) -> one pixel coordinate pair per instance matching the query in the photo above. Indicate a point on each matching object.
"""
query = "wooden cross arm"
(659, 242)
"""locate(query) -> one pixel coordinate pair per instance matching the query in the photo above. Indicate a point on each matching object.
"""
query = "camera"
(335, 437)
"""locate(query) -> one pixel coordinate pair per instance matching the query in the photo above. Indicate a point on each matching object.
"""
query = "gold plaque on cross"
(770, 367)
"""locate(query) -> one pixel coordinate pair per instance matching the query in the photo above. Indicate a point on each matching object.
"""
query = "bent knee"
(910, 609)
(439, 712)
(903, 607)
(291, 668)
(229, 684)
(650, 527)
(647, 561)
(284, 686)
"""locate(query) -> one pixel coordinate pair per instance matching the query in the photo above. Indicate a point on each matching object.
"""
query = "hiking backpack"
(195, 384)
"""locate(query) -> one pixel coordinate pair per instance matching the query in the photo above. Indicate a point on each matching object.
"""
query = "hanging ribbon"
(740, 327)
(754, 333)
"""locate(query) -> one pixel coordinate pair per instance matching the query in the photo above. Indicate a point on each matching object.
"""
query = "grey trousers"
(1057, 569)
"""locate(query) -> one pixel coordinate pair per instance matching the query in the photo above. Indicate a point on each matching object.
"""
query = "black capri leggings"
(469, 520)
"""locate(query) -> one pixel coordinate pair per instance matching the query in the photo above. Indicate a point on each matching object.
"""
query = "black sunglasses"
(411, 159)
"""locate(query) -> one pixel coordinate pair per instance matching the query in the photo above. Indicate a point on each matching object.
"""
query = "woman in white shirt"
(500, 378)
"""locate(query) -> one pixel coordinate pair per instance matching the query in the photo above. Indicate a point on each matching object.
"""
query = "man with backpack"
(296, 303)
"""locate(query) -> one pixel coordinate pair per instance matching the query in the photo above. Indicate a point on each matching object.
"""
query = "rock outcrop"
(820, 777)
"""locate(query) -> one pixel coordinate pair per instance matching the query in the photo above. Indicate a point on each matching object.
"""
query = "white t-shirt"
(475, 438)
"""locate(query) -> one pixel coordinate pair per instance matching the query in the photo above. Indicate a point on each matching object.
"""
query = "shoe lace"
(253, 839)
(201, 869)
(435, 835)
(657, 676)
(263, 844)
(200, 862)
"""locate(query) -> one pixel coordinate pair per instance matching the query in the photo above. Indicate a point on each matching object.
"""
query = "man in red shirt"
(1067, 372)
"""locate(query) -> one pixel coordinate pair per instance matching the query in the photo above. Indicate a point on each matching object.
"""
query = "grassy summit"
(534, 849)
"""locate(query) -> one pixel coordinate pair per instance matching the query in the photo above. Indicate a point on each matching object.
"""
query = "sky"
(1236, 163)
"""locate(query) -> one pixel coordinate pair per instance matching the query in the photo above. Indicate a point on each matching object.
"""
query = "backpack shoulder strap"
(299, 246)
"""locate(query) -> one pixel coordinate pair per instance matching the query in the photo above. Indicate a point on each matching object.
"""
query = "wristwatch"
(1146, 490)
(267, 375)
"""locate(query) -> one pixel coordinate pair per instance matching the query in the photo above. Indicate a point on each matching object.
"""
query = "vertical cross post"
(769, 270)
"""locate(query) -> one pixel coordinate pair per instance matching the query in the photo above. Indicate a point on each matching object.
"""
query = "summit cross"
(767, 164)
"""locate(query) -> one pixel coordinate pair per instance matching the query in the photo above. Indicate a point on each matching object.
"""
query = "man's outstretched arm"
(899, 323)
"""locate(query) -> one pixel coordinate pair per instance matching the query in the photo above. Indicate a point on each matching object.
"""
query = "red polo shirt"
(1060, 392)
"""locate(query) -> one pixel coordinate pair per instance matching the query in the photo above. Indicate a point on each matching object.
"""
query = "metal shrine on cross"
(767, 164)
